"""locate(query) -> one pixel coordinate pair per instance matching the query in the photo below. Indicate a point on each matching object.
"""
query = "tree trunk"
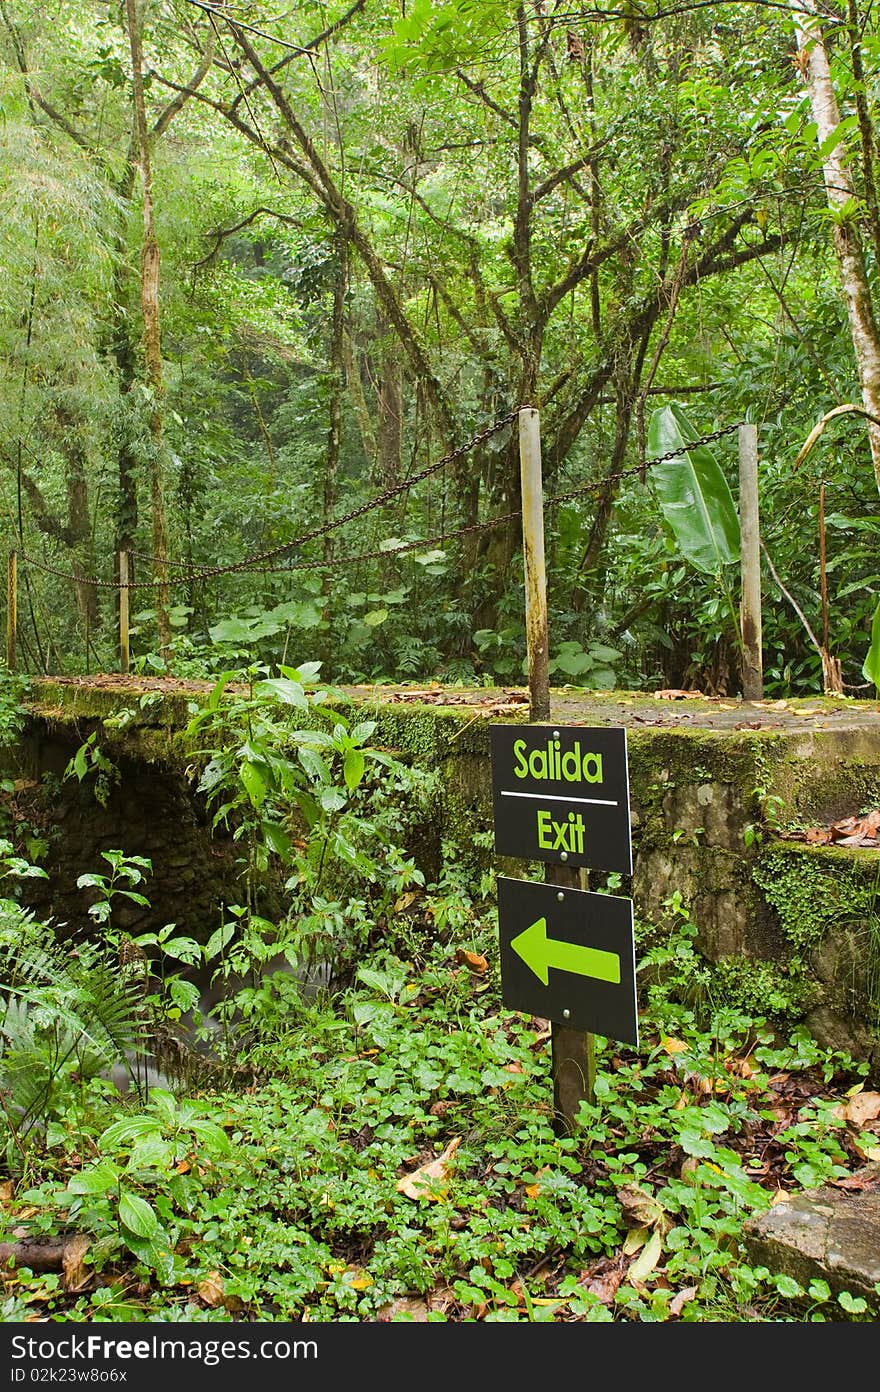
(389, 408)
(840, 191)
(337, 387)
(152, 336)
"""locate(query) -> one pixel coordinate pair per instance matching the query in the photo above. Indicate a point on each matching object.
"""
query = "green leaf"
(152, 1153)
(137, 1215)
(306, 672)
(314, 765)
(693, 493)
(154, 1250)
(353, 767)
(277, 839)
(183, 950)
(97, 1179)
(232, 631)
(788, 1286)
(128, 1129)
(254, 783)
(211, 1135)
(289, 692)
(871, 665)
(183, 994)
(218, 941)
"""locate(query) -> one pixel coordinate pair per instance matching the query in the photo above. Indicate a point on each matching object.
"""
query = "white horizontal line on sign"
(552, 797)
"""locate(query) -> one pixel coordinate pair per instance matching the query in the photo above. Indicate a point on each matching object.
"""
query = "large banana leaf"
(871, 666)
(693, 493)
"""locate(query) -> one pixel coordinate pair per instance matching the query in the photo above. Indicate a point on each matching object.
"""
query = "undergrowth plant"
(312, 800)
(67, 1013)
(400, 1162)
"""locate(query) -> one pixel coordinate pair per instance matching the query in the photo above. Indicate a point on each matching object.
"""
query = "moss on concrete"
(814, 889)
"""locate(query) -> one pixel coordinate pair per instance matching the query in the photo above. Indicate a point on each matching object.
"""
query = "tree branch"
(178, 102)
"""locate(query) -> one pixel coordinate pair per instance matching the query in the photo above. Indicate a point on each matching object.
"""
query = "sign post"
(561, 796)
(573, 1055)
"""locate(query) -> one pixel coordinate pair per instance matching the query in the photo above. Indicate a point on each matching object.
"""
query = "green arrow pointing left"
(540, 953)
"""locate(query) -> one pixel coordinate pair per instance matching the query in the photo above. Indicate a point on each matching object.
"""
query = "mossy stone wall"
(709, 809)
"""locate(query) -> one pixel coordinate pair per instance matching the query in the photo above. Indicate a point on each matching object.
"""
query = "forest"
(278, 283)
(262, 276)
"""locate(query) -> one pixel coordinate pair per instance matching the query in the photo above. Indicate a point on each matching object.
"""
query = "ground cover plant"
(388, 1153)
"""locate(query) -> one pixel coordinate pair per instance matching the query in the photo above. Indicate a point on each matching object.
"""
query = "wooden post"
(11, 609)
(573, 1052)
(124, 651)
(750, 565)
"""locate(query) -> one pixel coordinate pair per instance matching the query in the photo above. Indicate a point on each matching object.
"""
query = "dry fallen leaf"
(867, 1152)
(430, 1181)
(473, 960)
(682, 1298)
(7, 1188)
(75, 1275)
(604, 1280)
(635, 1241)
(404, 1308)
(675, 1046)
(646, 1261)
(405, 900)
(862, 1107)
(866, 1182)
(641, 1209)
(211, 1290)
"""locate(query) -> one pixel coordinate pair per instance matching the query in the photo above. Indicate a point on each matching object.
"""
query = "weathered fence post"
(11, 609)
(750, 565)
(573, 1052)
(124, 650)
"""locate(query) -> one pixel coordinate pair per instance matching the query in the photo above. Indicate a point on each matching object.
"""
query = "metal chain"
(257, 564)
(380, 500)
(649, 464)
(494, 521)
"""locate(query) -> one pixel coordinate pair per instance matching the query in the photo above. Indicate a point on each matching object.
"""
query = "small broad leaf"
(137, 1215)
(314, 765)
(183, 950)
(277, 839)
(97, 1179)
(353, 767)
(332, 799)
(289, 692)
(128, 1129)
(232, 631)
(254, 783)
(211, 1135)
(218, 941)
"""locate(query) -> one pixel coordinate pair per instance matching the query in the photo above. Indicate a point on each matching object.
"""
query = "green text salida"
(549, 763)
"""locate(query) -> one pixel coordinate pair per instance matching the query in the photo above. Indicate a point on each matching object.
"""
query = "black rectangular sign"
(569, 956)
(561, 794)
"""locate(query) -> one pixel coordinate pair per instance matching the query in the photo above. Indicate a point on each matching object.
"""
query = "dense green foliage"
(383, 229)
(393, 1155)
